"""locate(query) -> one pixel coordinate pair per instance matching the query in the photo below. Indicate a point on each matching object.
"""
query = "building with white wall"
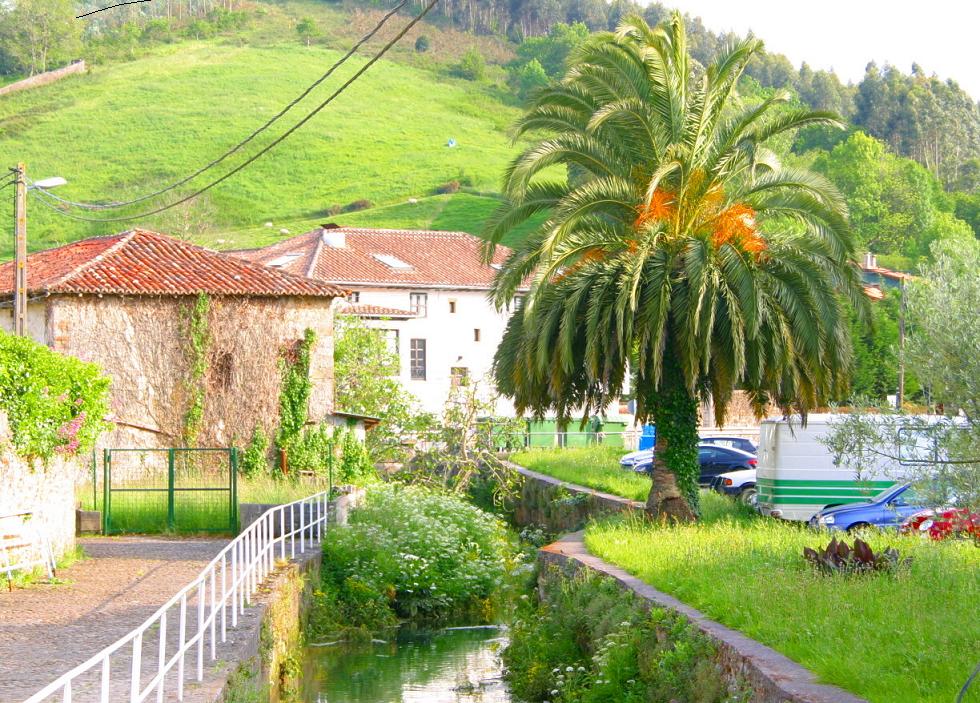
(428, 290)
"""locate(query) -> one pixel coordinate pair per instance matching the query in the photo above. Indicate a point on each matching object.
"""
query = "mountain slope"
(127, 128)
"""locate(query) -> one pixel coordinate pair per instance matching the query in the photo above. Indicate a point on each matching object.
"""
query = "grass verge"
(592, 467)
(912, 636)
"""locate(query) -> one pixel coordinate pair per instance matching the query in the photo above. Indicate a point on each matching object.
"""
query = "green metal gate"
(178, 490)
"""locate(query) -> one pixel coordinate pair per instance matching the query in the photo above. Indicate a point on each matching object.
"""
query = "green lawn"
(911, 637)
(126, 128)
(592, 467)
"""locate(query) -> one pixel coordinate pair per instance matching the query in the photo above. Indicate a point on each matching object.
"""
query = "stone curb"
(773, 677)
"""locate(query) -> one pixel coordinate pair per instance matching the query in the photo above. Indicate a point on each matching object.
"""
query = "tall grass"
(914, 636)
(145, 511)
(592, 467)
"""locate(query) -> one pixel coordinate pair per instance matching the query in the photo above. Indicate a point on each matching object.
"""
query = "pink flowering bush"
(55, 404)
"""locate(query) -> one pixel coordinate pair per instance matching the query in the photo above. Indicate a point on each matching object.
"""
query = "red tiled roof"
(139, 262)
(444, 259)
(366, 310)
(874, 292)
(888, 273)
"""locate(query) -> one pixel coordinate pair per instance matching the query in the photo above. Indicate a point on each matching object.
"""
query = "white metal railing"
(219, 595)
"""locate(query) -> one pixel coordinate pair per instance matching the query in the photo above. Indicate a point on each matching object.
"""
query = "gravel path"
(48, 629)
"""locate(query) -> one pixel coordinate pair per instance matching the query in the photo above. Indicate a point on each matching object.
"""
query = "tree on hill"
(933, 121)
(307, 30)
(675, 249)
(893, 201)
(39, 34)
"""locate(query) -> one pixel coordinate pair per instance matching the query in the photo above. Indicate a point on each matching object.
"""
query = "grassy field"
(889, 638)
(126, 128)
(592, 467)
(460, 212)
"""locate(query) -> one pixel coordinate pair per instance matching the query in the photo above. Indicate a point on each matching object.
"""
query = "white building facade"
(427, 290)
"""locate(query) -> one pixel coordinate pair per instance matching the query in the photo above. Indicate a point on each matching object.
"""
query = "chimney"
(870, 260)
(333, 236)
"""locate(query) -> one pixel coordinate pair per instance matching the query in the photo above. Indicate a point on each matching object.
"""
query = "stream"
(452, 665)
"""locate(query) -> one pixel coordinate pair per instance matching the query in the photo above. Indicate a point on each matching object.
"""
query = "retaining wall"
(45, 488)
(44, 78)
(261, 658)
(772, 677)
(559, 506)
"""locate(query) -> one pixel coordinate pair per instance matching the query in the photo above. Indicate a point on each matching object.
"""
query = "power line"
(237, 147)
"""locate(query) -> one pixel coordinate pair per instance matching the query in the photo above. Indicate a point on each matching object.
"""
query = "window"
(418, 359)
(419, 303)
(459, 376)
(354, 297)
(476, 335)
(452, 306)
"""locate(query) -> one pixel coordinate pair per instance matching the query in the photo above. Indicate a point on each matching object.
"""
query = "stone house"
(127, 302)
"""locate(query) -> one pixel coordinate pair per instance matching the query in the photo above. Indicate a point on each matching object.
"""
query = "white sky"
(941, 35)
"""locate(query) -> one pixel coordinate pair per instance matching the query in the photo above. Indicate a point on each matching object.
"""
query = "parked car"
(731, 442)
(644, 456)
(890, 508)
(738, 484)
(713, 461)
(940, 524)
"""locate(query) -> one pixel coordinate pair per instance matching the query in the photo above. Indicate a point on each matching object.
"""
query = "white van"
(797, 475)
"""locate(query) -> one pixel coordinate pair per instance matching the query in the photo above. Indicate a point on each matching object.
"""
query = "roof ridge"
(124, 239)
(315, 258)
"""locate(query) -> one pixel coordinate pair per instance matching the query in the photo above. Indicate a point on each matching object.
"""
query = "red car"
(944, 523)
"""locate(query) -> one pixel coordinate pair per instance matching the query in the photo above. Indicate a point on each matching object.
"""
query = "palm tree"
(675, 250)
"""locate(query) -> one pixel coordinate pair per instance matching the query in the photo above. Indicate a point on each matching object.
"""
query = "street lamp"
(20, 240)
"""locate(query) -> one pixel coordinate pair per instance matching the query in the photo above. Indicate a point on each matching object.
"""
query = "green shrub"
(255, 457)
(355, 465)
(410, 552)
(591, 641)
(472, 67)
(55, 403)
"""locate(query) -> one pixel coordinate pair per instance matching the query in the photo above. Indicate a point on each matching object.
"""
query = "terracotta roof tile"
(139, 262)
(366, 310)
(445, 259)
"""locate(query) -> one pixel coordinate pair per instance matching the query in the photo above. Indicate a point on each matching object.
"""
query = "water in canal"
(455, 665)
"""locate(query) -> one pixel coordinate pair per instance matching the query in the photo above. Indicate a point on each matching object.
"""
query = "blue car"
(888, 509)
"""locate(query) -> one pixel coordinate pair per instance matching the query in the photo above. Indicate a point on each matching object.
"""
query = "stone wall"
(771, 676)
(47, 490)
(559, 506)
(143, 343)
(44, 78)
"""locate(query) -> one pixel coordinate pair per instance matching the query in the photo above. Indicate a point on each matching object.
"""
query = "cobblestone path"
(48, 629)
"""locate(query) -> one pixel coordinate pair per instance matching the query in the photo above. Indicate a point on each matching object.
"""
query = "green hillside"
(128, 127)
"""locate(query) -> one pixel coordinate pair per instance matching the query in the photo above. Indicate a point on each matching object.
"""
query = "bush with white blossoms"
(413, 552)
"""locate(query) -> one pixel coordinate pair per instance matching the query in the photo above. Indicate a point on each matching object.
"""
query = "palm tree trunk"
(674, 494)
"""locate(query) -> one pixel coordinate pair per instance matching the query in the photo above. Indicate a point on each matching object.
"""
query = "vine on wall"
(200, 340)
(294, 394)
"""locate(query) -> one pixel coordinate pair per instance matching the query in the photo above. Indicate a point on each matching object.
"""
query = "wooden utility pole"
(900, 399)
(20, 250)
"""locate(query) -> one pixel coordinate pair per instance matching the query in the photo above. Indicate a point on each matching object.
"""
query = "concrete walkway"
(48, 629)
